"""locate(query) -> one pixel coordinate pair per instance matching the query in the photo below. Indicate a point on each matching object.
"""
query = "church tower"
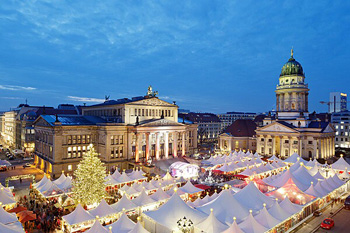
(292, 92)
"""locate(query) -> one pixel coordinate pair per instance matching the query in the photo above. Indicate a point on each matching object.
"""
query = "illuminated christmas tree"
(88, 185)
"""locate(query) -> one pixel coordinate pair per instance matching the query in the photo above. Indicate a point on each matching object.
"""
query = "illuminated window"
(69, 167)
(112, 140)
(69, 155)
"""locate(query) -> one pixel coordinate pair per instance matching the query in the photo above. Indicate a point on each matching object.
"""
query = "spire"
(291, 52)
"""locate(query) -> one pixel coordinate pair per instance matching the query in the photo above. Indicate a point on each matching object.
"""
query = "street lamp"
(184, 224)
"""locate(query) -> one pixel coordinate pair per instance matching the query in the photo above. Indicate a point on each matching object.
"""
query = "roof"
(119, 101)
(242, 128)
(200, 117)
(318, 124)
(73, 119)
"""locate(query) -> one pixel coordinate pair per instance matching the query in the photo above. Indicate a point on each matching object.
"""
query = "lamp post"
(185, 225)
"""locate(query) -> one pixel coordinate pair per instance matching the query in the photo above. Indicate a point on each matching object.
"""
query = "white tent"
(102, 210)
(290, 207)
(143, 199)
(273, 157)
(124, 203)
(225, 208)
(5, 197)
(10, 228)
(302, 175)
(345, 175)
(167, 215)
(122, 225)
(321, 189)
(138, 229)
(124, 178)
(49, 189)
(6, 217)
(281, 180)
(211, 224)
(341, 164)
(116, 174)
(138, 175)
(251, 197)
(225, 168)
(79, 215)
(109, 180)
(64, 183)
(4, 163)
(318, 176)
(266, 219)
(313, 192)
(190, 188)
(250, 225)
(234, 228)
(278, 212)
(97, 228)
(213, 196)
(248, 172)
(41, 182)
(294, 158)
(160, 195)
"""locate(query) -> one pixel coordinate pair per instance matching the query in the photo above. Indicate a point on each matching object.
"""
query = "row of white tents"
(48, 188)
(6, 197)
(118, 178)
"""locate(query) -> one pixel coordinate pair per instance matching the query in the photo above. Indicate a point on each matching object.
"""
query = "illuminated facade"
(123, 132)
(292, 131)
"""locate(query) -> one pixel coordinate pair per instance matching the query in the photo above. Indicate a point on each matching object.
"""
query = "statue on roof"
(291, 52)
(150, 92)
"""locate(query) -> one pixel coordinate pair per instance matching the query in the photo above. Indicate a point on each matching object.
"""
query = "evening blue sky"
(208, 56)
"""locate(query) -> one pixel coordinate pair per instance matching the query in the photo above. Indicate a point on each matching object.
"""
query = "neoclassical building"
(292, 130)
(125, 132)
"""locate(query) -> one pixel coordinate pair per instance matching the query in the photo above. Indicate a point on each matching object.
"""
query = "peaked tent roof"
(124, 178)
(225, 207)
(116, 174)
(313, 192)
(142, 199)
(345, 175)
(234, 228)
(174, 209)
(290, 207)
(79, 215)
(41, 182)
(122, 225)
(124, 203)
(6, 217)
(102, 210)
(250, 225)
(341, 164)
(190, 188)
(278, 212)
(5, 198)
(160, 195)
(211, 224)
(10, 228)
(266, 219)
(318, 176)
(97, 228)
(138, 229)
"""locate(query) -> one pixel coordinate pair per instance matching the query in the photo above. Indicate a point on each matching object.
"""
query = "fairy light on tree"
(88, 185)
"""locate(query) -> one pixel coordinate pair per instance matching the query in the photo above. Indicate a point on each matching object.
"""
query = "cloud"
(85, 99)
(11, 98)
(16, 88)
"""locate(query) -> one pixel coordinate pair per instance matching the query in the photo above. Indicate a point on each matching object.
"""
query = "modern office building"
(228, 118)
(341, 122)
(337, 102)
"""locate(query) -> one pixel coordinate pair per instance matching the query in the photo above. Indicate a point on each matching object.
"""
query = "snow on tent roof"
(124, 203)
(278, 212)
(313, 192)
(290, 207)
(102, 210)
(5, 198)
(79, 215)
(251, 197)
(250, 225)
(225, 208)
(138, 229)
(6, 217)
(122, 225)
(174, 209)
(160, 195)
(190, 188)
(341, 164)
(97, 228)
(10, 228)
(211, 224)
(266, 219)
(142, 199)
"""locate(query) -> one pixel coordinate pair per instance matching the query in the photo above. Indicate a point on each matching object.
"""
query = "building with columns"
(292, 130)
(125, 132)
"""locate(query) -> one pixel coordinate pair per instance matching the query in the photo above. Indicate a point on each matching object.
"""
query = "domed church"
(292, 130)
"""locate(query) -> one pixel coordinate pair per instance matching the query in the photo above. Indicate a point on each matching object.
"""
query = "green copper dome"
(292, 67)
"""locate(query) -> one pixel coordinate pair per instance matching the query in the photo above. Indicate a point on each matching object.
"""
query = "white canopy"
(266, 219)
(138, 175)
(169, 213)
(160, 195)
(124, 203)
(109, 180)
(225, 208)
(213, 196)
(142, 199)
(320, 188)
(190, 188)
(278, 212)
(138, 229)
(341, 164)
(64, 183)
(41, 182)
(251, 197)
(211, 224)
(318, 176)
(11, 228)
(234, 228)
(313, 192)
(294, 158)
(345, 175)
(5, 198)
(116, 174)
(250, 225)
(97, 228)
(290, 207)
(102, 210)
(281, 180)
(122, 225)
(4, 163)
(79, 215)
(124, 178)
(6, 217)
(225, 168)
(49, 189)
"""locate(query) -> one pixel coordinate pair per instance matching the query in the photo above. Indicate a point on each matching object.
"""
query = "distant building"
(239, 136)
(209, 125)
(341, 122)
(125, 132)
(293, 130)
(228, 118)
(337, 102)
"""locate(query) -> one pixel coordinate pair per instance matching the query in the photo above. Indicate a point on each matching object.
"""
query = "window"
(79, 139)
(295, 142)
(112, 153)
(79, 151)
(83, 139)
(121, 152)
(116, 140)
(286, 141)
(121, 139)
(262, 139)
(112, 140)
(69, 154)
(74, 151)
(270, 139)
(74, 139)
(87, 138)
(310, 142)
(69, 140)
(143, 112)
(69, 167)
(262, 150)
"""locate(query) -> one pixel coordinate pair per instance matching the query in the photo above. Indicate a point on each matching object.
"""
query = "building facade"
(228, 118)
(124, 132)
(338, 102)
(239, 136)
(341, 122)
(292, 130)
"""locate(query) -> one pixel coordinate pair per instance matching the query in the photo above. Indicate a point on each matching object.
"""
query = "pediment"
(329, 129)
(152, 102)
(160, 122)
(277, 127)
(41, 122)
